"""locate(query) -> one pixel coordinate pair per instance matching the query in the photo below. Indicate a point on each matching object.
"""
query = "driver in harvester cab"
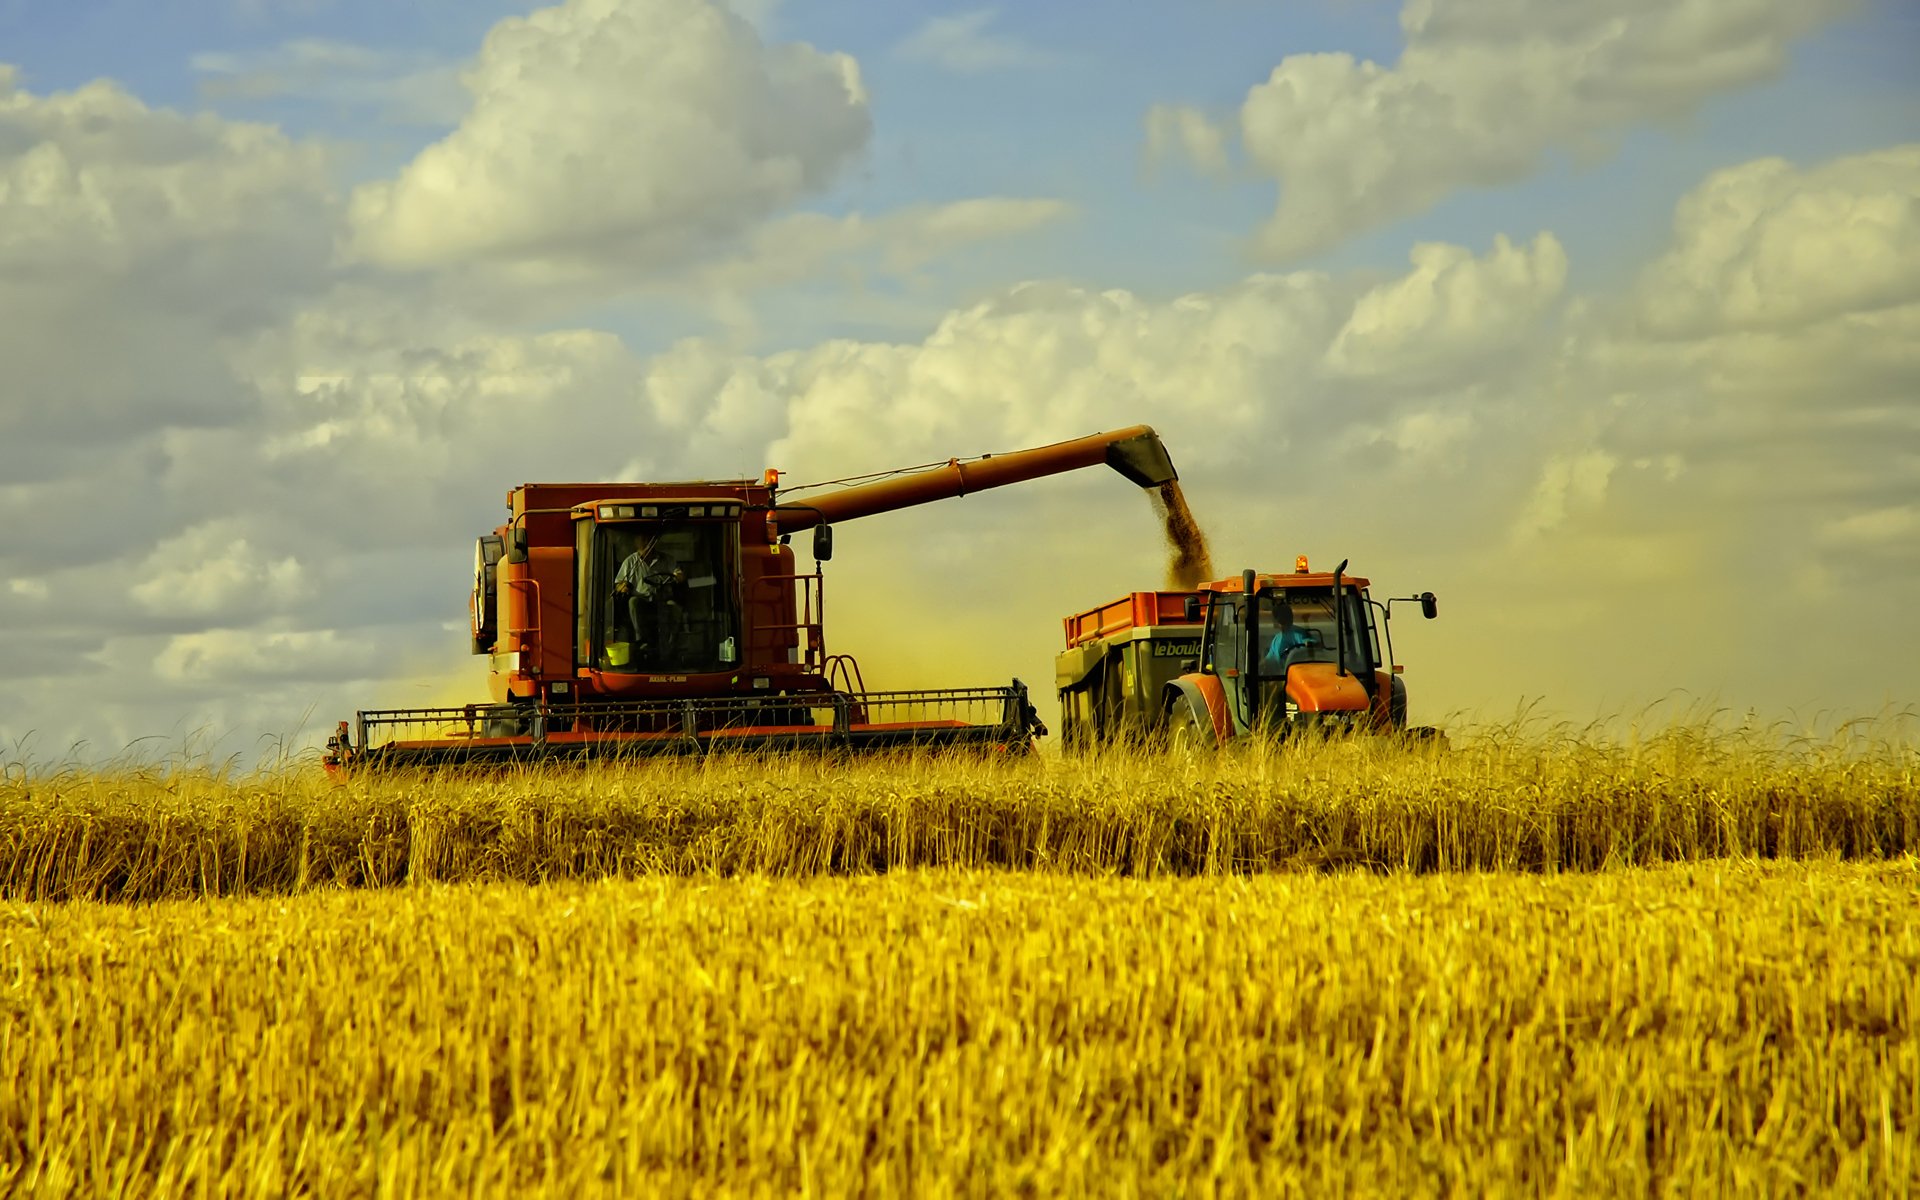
(642, 584)
(1287, 638)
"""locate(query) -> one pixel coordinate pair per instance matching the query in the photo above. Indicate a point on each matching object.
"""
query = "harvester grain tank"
(671, 616)
(1263, 653)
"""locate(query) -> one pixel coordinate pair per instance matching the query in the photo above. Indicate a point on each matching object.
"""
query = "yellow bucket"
(617, 653)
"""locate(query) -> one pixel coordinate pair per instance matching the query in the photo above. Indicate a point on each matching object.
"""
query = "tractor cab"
(1280, 651)
(1296, 626)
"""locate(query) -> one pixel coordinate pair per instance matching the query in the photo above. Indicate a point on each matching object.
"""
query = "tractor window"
(1299, 626)
(666, 601)
(1227, 648)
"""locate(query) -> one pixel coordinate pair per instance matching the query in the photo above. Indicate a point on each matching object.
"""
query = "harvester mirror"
(1429, 607)
(822, 543)
(517, 544)
(1193, 608)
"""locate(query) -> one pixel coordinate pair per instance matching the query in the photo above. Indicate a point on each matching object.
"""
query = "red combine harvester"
(1262, 653)
(662, 617)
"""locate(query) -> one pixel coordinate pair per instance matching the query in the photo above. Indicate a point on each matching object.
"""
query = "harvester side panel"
(779, 632)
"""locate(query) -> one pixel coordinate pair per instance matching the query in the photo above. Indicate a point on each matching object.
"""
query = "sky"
(1598, 319)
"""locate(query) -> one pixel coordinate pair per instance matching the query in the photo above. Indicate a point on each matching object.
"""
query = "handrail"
(532, 666)
(846, 669)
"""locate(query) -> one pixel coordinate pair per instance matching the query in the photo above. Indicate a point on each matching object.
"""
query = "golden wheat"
(1500, 802)
(1697, 1030)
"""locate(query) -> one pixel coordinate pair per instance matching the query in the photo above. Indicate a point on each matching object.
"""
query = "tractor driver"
(642, 582)
(1288, 638)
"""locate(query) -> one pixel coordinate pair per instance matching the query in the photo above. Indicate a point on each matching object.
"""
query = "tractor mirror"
(1429, 607)
(1189, 665)
(1193, 608)
(822, 543)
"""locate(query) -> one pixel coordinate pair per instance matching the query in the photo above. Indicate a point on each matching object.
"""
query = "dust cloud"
(1188, 561)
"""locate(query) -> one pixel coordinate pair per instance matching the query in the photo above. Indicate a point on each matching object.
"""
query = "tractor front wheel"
(1186, 737)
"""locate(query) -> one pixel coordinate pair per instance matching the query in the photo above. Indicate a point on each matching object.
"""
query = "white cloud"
(760, 14)
(1179, 132)
(136, 245)
(1453, 312)
(409, 421)
(1233, 378)
(94, 181)
(964, 44)
(624, 134)
(1894, 528)
(1482, 90)
(1567, 485)
(1765, 246)
(897, 242)
(213, 571)
(230, 658)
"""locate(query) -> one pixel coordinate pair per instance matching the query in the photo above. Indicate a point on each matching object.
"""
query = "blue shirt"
(1284, 642)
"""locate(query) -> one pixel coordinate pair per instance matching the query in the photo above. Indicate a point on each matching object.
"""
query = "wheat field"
(1549, 965)
(1500, 801)
(1710, 1029)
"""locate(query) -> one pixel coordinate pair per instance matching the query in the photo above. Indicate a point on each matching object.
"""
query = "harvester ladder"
(813, 611)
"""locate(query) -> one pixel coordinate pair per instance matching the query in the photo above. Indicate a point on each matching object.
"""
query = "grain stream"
(1189, 562)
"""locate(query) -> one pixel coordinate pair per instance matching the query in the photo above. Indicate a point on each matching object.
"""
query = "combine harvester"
(670, 617)
(1262, 653)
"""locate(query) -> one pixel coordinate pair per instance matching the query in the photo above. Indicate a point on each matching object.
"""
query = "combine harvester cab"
(670, 617)
(1271, 654)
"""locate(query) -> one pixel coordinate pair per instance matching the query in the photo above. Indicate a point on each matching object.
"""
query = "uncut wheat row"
(1500, 804)
(1703, 1030)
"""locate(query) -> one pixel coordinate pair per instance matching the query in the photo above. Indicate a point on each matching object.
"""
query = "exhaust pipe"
(1340, 615)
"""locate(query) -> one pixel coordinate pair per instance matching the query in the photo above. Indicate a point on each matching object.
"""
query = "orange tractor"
(1262, 653)
(643, 617)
